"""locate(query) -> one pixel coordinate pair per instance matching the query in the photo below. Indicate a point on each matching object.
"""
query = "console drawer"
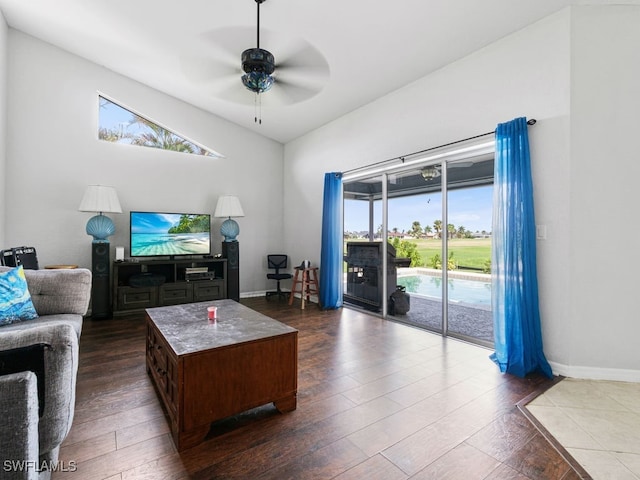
(208, 290)
(131, 298)
(173, 294)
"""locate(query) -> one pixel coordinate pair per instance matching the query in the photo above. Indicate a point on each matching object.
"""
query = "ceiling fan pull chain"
(257, 109)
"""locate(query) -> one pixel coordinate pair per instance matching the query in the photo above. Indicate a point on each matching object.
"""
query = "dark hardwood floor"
(376, 400)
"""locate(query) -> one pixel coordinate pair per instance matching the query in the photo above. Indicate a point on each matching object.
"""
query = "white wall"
(545, 71)
(3, 121)
(53, 154)
(605, 168)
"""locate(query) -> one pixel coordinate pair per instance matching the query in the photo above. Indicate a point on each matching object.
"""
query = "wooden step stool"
(305, 281)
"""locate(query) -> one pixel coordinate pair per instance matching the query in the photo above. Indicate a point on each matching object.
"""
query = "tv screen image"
(155, 234)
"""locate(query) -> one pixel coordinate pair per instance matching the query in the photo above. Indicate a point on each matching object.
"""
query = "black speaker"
(231, 251)
(101, 282)
(25, 256)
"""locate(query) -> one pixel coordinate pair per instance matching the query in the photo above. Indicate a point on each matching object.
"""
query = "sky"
(113, 116)
(149, 222)
(468, 207)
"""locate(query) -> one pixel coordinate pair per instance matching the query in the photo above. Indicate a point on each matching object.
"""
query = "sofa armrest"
(60, 291)
(19, 426)
(60, 360)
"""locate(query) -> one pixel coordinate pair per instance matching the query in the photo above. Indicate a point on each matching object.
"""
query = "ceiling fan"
(434, 171)
(244, 75)
(430, 172)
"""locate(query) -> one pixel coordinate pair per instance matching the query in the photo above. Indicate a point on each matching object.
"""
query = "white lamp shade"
(100, 199)
(228, 206)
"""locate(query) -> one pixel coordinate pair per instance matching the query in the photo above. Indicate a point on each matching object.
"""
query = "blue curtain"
(516, 315)
(331, 253)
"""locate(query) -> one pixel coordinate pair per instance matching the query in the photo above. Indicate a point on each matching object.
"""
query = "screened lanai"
(456, 187)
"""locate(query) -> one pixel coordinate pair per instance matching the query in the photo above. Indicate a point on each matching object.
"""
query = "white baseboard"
(262, 293)
(596, 373)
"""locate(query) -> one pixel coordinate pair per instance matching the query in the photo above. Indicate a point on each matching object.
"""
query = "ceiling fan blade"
(216, 54)
(226, 86)
(277, 96)
(204, 70)
(235, 92)
(302, 72)
(285, 93)
(301, 54)
(228, 43)
(298, 77)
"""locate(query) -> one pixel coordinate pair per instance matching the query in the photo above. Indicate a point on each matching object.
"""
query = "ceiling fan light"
(429, 173)
(257, 82)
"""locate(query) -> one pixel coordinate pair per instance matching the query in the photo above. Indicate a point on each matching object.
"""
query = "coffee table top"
(187, 329)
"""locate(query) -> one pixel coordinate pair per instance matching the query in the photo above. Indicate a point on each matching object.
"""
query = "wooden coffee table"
(205, 372)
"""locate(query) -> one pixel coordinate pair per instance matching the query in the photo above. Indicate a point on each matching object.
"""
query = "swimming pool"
(471, 292)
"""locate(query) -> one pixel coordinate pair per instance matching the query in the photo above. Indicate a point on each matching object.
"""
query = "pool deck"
(469, 320)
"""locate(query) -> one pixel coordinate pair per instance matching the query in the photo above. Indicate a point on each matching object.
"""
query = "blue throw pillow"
(15, 299)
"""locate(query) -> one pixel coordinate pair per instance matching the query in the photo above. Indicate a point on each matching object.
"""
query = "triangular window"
(120, 125)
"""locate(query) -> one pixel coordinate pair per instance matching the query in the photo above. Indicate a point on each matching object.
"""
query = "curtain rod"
(531, 121)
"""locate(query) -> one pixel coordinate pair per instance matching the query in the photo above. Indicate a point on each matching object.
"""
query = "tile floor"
(597, 422)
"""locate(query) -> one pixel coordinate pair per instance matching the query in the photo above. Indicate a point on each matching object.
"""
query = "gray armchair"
(38, 365)
(19, 425)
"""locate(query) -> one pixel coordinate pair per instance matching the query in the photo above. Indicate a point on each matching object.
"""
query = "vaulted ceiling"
(332, 56)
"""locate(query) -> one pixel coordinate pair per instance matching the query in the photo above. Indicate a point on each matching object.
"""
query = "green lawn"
(467, 252)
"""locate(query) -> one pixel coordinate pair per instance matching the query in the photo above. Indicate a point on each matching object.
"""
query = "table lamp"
(229, 206)
(100, 199)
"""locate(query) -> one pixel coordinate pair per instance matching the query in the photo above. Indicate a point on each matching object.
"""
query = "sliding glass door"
(468, 240)
(418, 245)
(415, 206)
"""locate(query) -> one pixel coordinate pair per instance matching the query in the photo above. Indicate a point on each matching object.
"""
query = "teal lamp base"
(229, 230)
(100, 228)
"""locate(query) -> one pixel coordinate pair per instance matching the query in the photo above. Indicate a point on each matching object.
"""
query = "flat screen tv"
(155, 234)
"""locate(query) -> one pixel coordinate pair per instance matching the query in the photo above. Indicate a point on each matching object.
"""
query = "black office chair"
(278, 262)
